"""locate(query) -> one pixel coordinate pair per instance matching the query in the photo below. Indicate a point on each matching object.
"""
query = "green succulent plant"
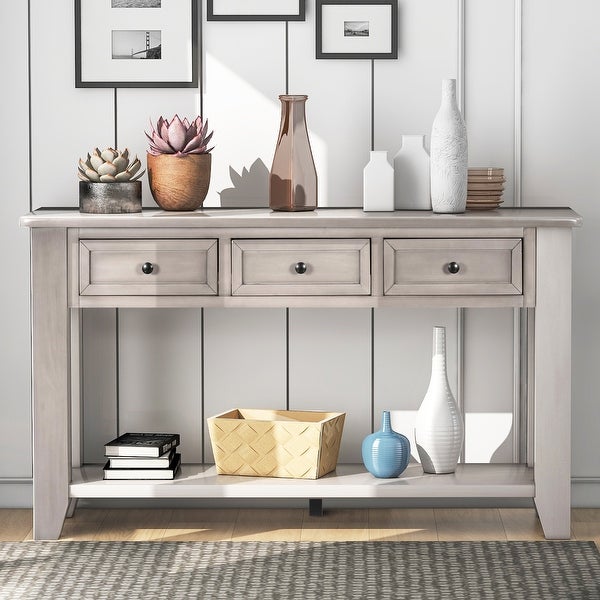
(109, 166)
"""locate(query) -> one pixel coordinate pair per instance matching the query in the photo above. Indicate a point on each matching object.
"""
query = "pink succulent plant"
(179, 137)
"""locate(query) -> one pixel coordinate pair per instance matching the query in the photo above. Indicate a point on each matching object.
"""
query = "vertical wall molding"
(518, 102)
(460, 312)
(461, 58)
(117, 371)
(372, 104)
(202, 385)
(29, 150)
(287, 57)
(519, 316)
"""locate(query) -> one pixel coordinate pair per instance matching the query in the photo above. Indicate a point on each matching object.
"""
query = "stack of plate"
(484, 188)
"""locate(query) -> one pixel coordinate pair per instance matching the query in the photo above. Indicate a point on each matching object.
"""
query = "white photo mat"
(378, 17)
(255, 7)
(174, 21)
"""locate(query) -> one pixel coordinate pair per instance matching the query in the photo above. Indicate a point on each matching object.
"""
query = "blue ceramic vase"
(386, 453)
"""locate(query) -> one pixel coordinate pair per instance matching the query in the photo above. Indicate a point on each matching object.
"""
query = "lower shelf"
(347, 481)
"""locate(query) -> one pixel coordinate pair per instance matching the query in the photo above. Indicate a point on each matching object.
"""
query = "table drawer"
(333, 267)
(147, 267)
(452, 267)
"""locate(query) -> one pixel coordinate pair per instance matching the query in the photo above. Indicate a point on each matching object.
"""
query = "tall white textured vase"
(411, 175)
(439, 428)
(449, 155)
(378, 183)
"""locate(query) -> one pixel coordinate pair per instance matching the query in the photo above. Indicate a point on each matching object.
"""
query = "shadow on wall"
(250, 189)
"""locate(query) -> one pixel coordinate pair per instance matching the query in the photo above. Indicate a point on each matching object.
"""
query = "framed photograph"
(255, 10)
(136, 43)
(357, 29)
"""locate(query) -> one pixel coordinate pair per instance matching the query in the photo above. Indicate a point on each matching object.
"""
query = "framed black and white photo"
(357, 29)
(255, 10)
(136, 43)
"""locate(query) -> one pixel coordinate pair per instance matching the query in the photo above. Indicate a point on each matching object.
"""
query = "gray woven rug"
(307, 571)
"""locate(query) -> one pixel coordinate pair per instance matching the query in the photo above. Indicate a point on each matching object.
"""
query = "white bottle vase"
(449, 155)
(439, 428)
(378, 183)
(411, 175)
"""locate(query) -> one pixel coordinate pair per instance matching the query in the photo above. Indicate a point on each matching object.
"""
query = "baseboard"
(16, 492)
(585, 493)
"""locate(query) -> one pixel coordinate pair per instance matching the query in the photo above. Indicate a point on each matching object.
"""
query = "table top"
(322, 217)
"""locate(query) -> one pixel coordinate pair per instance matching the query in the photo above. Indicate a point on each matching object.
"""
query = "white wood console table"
(327, 258)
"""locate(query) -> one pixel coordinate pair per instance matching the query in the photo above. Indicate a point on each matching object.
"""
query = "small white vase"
(411, 175)
(378, 183)
(439, 428)
(449, 155)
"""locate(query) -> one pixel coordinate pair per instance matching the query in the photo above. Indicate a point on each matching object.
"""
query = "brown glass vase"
(293, 179)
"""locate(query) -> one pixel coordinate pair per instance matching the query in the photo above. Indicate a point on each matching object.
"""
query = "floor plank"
(469, 524)
(521, 524)
(585, 524)
(392, 524)
(15, 524)
(274, 525)
(134, 525)
(402, 524)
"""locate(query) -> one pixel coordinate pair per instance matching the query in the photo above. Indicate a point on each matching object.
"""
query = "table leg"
(51, 381)
(552, 366)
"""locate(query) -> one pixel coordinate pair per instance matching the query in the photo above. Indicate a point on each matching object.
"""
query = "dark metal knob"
(453, 267)
(300, 268)
(147, 268)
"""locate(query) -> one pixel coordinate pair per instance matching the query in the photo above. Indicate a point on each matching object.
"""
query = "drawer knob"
(147, 268)
(453, 267)
(300, 268)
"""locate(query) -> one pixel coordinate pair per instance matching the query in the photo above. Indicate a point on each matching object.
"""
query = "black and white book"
(142, 462)
(141, 444)
(168, 473)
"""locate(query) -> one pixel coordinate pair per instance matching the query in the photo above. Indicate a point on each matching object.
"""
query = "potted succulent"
(179, 162)
(109, 182)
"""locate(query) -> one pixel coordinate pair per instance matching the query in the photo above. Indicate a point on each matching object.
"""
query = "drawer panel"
(453, 267)
(178, 267)
(334, 267)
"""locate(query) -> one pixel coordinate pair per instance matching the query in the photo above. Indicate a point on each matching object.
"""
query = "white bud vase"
(439, 428)
(411, 175)
(378, 183)
(449, 155)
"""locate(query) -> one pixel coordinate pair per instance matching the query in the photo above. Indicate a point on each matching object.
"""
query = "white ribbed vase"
(439, 428)
(449, 155)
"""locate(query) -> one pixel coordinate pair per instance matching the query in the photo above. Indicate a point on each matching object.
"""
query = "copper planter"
(179, 182)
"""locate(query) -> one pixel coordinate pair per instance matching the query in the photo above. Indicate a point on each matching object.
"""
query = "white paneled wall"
(561, 154)
(330, 368)
(244, 361)
(408, 90)
(403, 343)
(490, 86)
(15, 413)
(165, 369)
(338, 113)
(160, 374)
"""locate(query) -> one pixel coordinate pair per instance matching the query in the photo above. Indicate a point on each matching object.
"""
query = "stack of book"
(142, 456)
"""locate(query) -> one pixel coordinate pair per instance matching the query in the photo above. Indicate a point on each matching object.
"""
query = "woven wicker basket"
(276, 443)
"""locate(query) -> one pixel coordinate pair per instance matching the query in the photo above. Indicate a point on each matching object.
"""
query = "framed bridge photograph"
(136, 43)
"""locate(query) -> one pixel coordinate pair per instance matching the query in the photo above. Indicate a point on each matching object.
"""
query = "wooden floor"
(402, 524)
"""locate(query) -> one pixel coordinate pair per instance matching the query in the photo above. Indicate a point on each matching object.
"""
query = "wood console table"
(327, 258)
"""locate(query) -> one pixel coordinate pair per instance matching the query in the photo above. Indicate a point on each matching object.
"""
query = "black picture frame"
(212, 15)
(350, 49)
(187, 54)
